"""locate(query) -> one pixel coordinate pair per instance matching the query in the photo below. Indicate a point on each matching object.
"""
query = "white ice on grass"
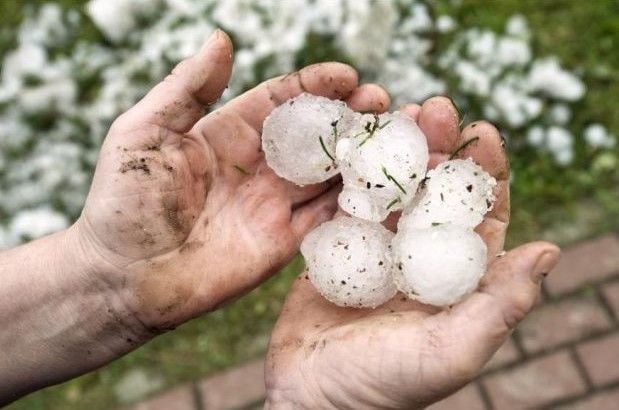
(560, 113)
(536, 136)
(34, 223)
(473, 78)
(349, 262)
(597, 136)
(548, 77)
(445, 24)
(499, 73)
(456, 191)
(555, 140)
(559, 142)
(382, 162)
(299, 138)
(517, 26)
(58, 87)
(438, 265)
(117, 18)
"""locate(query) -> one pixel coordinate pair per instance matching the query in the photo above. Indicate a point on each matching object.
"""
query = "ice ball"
(349, 262)
(456, 191)
(299, 137)
(382, 160)
(438, 265)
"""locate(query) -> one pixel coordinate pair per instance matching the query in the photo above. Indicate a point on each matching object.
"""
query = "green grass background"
(548, 202)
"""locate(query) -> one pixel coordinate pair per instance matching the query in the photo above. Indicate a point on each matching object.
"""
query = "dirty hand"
(183, 213)
(406, 355)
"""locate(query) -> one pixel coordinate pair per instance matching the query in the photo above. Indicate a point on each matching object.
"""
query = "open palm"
(405, 354)
(183, 209)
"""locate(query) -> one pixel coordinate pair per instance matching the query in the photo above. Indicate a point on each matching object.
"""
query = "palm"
(403, 354)
(177, 197)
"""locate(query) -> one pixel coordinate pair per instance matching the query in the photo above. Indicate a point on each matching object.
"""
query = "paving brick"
(607, 400)
(584, 263)
(180, 398)
(611, 294)
(467, 397)
(601, 359)
(535, 383)
(507, 353)
(568, 320)
(236, 388)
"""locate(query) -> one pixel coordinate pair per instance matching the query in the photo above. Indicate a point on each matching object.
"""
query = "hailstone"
(349, 262)
(438, 265)
(435, 258)
(382, 159)
(456, 191)
(299, 137)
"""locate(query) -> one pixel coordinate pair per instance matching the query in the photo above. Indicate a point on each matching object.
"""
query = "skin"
(406, 355)
(184, 215)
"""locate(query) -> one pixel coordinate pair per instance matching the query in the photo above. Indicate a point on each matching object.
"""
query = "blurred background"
(546, 72)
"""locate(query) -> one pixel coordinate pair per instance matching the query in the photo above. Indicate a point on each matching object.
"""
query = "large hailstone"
(382, 159)
(438, 265)
(299, 137)
(349, 262)
(456, 191)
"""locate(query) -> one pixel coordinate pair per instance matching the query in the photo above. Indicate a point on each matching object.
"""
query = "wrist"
(60, 316)
(107, 275)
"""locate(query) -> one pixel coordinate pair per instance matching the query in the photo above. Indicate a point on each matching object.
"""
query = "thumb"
(179, 101)
(513, 281)
(507, 293)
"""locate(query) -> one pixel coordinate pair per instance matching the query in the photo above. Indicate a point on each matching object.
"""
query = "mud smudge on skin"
(135, 165)
(155, 144)
(171, 213)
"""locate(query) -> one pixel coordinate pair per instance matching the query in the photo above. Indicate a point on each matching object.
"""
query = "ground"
(582, 34)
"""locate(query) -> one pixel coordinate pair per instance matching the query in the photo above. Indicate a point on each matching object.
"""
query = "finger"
(331, 80)
(507, 293)
(492, 231)
(487, 149)
(370, 98)
(412, 110)
(315, 212)
(438, 119)
(391, 222)
(299, 195)
(234, 131)
(493, 228)
(438, 116)
(179, 100)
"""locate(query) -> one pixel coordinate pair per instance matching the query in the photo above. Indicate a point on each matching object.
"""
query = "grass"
(548, 202)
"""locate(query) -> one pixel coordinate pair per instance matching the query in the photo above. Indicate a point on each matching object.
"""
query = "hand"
(183, 212)
(403, 354)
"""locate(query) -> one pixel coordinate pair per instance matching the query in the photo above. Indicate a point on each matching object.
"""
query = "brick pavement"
(564, 355)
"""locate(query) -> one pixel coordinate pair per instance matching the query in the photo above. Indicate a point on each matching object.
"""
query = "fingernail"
(212, 38)
(545, 263)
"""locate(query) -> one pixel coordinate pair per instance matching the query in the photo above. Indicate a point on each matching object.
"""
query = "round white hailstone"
(382, 161)
(456, 191)
(299, 137)
(349, 262)
(438, 265)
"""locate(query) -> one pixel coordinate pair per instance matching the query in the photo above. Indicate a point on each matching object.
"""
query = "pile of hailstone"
(435, 257)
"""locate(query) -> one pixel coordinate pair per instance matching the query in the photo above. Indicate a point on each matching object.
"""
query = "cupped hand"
(183, 213)
(404, 354)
